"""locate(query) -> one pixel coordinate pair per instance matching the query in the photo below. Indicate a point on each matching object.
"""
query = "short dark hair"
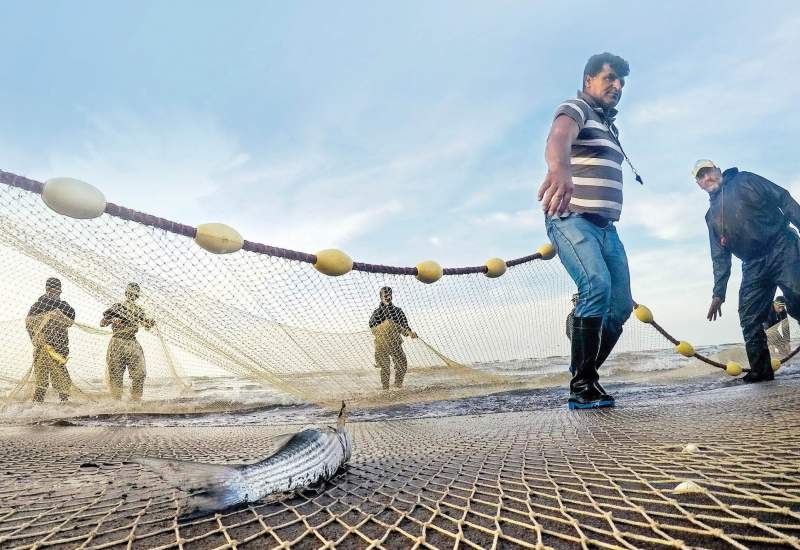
(52, 284)
(598, 60)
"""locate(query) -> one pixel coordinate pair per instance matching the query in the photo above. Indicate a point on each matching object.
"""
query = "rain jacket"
(54, 332)
(745, 217)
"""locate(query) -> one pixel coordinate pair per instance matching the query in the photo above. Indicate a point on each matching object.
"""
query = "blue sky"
(400, 131)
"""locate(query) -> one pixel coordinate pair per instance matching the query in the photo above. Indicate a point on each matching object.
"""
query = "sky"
(401, 132)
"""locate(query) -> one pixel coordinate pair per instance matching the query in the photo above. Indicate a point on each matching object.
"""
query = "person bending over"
(748, 217)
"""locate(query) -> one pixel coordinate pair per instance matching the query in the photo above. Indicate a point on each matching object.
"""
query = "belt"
(596, 219)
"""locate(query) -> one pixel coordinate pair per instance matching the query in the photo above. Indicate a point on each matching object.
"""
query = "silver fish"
(314, 454)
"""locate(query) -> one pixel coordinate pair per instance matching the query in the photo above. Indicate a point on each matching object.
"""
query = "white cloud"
(728, 92)
(669, 216)
(676, 283)
(518, 219)
(192, 169)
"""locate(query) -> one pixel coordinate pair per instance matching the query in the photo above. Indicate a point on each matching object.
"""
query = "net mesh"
(257, 316)
(511, 480)
(261, 326)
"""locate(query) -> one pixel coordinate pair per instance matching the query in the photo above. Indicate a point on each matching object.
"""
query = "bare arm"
(556, 189)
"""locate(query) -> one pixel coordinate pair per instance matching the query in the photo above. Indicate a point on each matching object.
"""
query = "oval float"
(73, 198)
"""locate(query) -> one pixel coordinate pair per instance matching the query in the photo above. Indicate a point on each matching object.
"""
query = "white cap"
(700, 164)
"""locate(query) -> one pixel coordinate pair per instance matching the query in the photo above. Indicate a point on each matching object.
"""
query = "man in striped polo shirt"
(582, 198)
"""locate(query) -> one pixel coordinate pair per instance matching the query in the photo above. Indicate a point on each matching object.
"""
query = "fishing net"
(213, 324)
(620, 478)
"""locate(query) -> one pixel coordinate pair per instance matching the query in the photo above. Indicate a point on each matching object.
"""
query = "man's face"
(386, 297)
(132, 294)
(778, 306)
(54, 293)
(605, 87)
(709, 179)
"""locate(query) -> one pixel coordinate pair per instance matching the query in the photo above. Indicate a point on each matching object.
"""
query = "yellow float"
(429, 271)
(218, 238)
(547, 251)
(685, 349)
(643, 313)
(495, 267)
(733, 368)
(333, 262)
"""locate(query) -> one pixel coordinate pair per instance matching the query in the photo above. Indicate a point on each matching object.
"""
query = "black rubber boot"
(585, 345)
(608, 339)
(760, 363)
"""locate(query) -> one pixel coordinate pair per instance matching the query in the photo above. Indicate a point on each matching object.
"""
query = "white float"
(73, 198)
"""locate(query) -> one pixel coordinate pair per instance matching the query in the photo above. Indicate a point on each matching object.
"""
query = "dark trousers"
(778, 268)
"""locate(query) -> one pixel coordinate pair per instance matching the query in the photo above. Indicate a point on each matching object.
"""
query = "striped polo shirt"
(596, 158)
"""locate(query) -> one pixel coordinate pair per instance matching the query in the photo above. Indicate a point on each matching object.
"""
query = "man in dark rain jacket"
(749, 217)
(47, 323)
(388, 323)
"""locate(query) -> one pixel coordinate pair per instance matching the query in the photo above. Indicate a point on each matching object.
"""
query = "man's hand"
(715, 309)
(61, 319)
(557, 187)
(556, 191)
(412, 334)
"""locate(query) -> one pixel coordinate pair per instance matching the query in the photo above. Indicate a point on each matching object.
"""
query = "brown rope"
(705, 359)
(169, 226)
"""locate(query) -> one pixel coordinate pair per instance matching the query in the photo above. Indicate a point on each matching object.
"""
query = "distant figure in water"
(47, 323)
(748, 217)
(777, 327)
(124, 351)
(388, 323)
(571, 316)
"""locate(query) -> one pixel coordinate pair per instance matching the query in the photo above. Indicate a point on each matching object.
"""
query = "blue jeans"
(595, 259)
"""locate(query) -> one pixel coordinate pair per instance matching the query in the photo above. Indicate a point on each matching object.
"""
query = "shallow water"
(635, 378)
(626, 394)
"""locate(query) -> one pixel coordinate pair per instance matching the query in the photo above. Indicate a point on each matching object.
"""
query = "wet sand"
(522, 479)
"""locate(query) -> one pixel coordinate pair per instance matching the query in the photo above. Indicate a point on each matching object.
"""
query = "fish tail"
(209, 487)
